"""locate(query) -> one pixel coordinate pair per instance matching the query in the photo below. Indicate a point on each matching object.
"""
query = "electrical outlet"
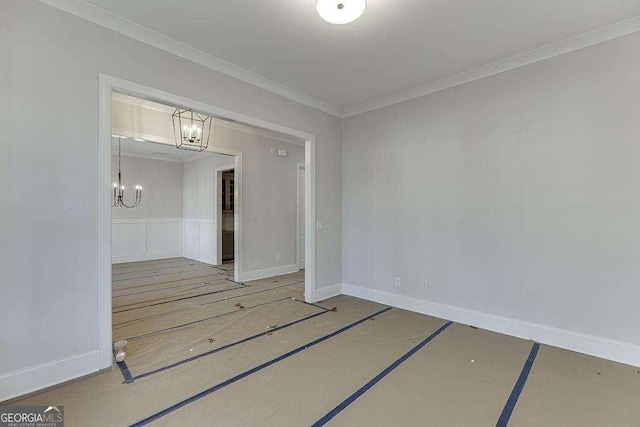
(424, 287)
(277, 257)
(397, 282)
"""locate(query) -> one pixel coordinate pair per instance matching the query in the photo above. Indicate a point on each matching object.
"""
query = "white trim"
(197, 256)
(616, 351)
(107, 85)
(147, 252)
(146, 220)
(267, 272)
(299, 166)
(329, 292)
(35, 378)
(581, 41)
(104, 226)
(238, 261)
(136, 258)
(138, 32)
(310, 220)
(258, 131)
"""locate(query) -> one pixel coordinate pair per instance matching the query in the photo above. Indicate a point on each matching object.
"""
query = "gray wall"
(49, 209)
(269, 185)
(516, 195)
(199, 185)
(161, 184)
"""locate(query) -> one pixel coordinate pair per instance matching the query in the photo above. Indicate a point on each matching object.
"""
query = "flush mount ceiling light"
(340, 11)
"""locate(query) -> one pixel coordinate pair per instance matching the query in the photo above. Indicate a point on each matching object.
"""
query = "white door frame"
(218, 205)
(299, 166)
(108, 85)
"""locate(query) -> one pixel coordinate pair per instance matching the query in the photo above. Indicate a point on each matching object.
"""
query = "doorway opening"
(225, 209)
(233, 208)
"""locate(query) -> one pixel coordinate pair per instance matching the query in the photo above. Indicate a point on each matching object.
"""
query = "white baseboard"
(32, 379)
(197, 257)
(328, 292)
(148, 257)
(267, 272)
(604, 348)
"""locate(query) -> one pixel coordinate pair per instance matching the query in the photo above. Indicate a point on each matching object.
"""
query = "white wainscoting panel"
(164, 238)
(128, 240)
(200, 239)
(208, 241)
(143, 239)
(191, 239)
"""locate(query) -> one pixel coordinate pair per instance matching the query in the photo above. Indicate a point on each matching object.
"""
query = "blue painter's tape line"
(245, 374)
(362, 390)
(237, 283)
(184, 325)
(182, 288)
(517, 389)
(208, 353)
(128, 379)
(162, 274)
(179, 299)
(312, 304)
(146, 318)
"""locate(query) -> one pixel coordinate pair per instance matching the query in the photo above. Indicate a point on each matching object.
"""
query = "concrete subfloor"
(204, 350)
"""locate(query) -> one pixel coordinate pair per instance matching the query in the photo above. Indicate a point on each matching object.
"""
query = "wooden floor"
(204, 350)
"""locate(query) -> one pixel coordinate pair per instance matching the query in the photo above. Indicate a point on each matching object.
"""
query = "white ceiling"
(157, 151)
(169, 110)
(395, 46)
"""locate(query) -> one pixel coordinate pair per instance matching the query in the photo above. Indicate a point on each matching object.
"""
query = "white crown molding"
(591, 38)
(128, 28)
(258, 131)
(138, 32)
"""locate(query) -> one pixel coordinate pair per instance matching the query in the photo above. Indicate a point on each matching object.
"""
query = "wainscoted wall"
(200, 239)
(145, 239)
(140, 239)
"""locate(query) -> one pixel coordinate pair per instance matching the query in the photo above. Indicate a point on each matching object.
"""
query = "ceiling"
(395, 46)
(156, 151)
(169, 110)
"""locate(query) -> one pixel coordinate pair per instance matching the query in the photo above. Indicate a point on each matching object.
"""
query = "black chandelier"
(191, 130)
(118, 188)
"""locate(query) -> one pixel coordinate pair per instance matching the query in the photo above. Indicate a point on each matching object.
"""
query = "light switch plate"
(319, 225)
